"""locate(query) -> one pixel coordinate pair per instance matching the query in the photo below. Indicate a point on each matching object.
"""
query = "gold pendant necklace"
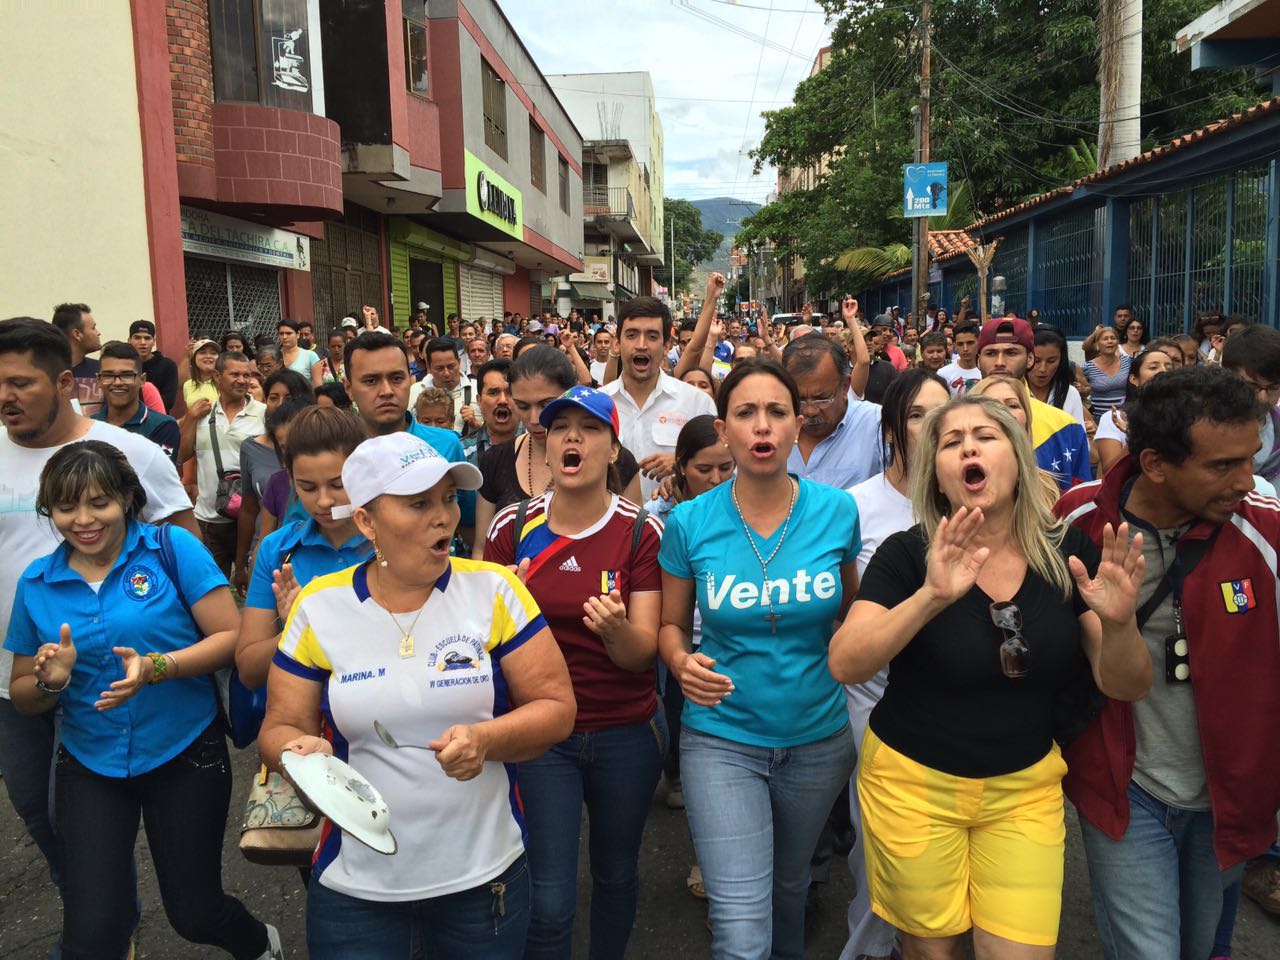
(406, 636)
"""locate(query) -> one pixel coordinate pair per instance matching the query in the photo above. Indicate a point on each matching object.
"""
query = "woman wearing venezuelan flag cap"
(590, 559)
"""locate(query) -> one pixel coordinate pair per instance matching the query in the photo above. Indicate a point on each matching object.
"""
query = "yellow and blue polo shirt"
(451, 835)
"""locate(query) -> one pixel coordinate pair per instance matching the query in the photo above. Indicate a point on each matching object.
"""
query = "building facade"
(219, 164)
(179, 173)
(622, 165)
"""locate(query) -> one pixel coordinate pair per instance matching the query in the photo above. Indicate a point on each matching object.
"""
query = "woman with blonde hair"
(1016, 398)
(985, 611)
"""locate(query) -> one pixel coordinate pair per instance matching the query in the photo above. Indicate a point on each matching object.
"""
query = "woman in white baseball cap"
(432, 676)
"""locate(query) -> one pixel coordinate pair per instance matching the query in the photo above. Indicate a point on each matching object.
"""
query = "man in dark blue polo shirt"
(120, 376)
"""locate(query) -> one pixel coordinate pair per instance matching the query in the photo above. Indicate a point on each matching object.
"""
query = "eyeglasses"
(819, 403)
(1015, 655)
(127, 376)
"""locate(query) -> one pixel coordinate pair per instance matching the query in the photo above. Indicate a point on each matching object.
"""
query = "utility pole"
(920, 241)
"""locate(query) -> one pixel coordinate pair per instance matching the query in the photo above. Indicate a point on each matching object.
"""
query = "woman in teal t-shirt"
(769, 560)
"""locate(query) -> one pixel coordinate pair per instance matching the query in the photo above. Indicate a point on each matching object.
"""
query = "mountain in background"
(722, 215)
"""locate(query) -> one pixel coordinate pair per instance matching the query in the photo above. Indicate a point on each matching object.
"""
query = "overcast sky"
(712, 80)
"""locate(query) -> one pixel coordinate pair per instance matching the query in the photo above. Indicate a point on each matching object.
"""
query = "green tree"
(693, 245)
(1014, 94)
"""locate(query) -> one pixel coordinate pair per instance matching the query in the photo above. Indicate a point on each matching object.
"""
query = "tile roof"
(1218, 127)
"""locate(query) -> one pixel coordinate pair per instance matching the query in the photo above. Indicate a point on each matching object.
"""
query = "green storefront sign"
(492, 199)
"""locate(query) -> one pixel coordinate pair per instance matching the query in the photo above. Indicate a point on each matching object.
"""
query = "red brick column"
(191, 79)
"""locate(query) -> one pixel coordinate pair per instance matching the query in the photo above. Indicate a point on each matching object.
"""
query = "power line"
(755, 83)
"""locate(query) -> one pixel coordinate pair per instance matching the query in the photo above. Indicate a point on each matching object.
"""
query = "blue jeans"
(1157, 892)
(486, 922)
(26, 760)
(614, 772)
(755, 814)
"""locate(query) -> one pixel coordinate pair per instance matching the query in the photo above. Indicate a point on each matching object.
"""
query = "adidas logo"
(571, 566)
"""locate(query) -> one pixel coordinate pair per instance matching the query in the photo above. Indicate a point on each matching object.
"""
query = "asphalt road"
(671, 924)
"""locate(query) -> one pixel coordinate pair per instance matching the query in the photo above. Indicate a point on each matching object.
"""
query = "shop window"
(495, 109)
(564, 184)
(537, 156)
(415, 58)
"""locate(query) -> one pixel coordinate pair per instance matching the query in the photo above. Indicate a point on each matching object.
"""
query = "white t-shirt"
(1108, 429)
(655, 427)
(597, 370)
(882, 512)
(25, 536)
(249, 423)
(958, 378)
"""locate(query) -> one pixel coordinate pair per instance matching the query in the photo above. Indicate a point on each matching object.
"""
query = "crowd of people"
(833, 587)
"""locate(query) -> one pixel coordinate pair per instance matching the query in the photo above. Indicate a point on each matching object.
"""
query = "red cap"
(1007, 330)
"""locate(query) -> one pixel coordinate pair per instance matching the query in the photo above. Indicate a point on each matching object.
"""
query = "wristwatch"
(41, 685)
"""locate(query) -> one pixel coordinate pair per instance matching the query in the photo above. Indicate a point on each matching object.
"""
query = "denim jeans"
(614, 772)
(183, 804)
(1157, 892)
(26, 760)
(755, 814)
(486, 922)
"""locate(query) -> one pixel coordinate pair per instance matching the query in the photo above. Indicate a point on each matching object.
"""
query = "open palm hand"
(1113, 592)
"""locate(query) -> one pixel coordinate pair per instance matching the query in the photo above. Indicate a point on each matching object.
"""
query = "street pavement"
(671, 924)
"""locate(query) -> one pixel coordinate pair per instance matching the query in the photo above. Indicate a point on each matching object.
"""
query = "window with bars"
(537, 156)
(564, 184)
(494, 96)
(231, 296)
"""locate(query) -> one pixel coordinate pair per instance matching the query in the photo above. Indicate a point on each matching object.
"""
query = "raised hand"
(200, 409)
(137, 669)
(658, 466)
(1113, 593)
(849, 311)
(604, 614)
(954, 559)
(715, 287)
(55, 661)
(286, 588)
(717, 328)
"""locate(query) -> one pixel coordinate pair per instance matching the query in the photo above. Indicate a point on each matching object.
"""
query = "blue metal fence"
(1172, 247)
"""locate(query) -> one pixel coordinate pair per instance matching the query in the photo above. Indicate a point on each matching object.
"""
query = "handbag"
(278, 828)
(246, 709)
(227, 499)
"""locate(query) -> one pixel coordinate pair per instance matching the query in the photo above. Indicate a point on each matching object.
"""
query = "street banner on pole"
(924, 189)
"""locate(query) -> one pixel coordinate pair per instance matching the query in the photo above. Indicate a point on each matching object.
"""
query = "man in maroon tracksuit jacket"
(1177, 791)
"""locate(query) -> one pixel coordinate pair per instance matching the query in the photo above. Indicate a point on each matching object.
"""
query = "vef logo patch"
(1237, 595)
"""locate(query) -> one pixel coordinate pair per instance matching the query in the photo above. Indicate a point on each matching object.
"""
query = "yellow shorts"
(946, 853)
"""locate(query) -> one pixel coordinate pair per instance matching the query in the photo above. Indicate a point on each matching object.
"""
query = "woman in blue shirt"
(318, 443)
(769, 561)
(140, 729)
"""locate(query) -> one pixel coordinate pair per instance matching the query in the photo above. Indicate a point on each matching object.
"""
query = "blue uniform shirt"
(784, 695)
(849, 455)
(137, 605)
(312, 556)
(447, 444)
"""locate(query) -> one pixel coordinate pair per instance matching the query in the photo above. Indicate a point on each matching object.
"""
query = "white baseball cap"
(350, 322)
(398, 463)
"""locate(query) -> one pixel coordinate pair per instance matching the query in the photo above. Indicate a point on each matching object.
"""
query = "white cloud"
(711, 83)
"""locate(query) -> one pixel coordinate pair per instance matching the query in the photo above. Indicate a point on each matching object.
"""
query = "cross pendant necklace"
(771, 616)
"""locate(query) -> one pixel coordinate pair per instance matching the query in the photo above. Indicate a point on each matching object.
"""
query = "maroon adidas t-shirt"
(563, 572)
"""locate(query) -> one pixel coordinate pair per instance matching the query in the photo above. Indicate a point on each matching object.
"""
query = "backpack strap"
(518, 530)
(638, 530)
